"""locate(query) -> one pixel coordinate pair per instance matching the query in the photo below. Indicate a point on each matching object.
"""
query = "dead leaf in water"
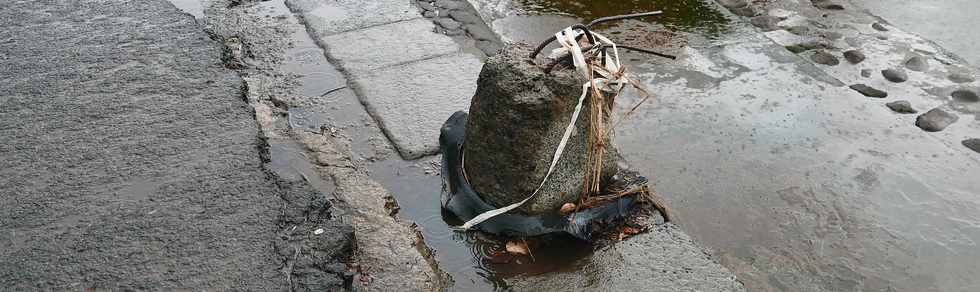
(517, 247)
(567, 208)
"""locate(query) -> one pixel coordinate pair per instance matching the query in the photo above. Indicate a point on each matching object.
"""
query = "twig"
(620, 17)
(529, 250)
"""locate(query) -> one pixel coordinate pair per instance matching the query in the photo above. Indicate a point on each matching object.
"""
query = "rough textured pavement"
(408, 76)
(129, 160)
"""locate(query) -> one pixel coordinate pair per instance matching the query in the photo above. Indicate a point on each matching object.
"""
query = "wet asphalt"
(129, 159)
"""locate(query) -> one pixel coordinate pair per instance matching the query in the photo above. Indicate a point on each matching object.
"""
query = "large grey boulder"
(516, 121)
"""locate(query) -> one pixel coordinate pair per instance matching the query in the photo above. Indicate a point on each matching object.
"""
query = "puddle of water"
(684, 15)
(473, 260)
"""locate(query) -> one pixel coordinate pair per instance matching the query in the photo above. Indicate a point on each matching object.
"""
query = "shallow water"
(794, 182)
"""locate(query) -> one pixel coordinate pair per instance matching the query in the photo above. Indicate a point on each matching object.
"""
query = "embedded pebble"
(448, 4)
(430, 14)
(447, 23)
(895, 75)
(746, 11)
(765, 22)
(966, 95)
(869, 91)
(917, 63)
(901, 106)
(866, 73)
(959, 77)
(935, 120)
(465, 17)
(427, 6)
(973, 144)
(827, 4)
(823, 57)
(733, 3)
(798, 30)
(878, 26)
(854, 56)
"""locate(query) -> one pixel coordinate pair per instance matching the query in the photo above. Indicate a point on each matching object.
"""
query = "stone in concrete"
(869, 91)
(336, 16)
(377, 47)
(412, 100)
(825, 58)
(961, 77)
(516, 122)
(866, 73)
(972, 144)
(879, 27)
(854, 56)
(895, 75)
(827, 4)
(901, 106)
(967, 95)
(663, 259)
(935, 120)
(765, 22)
(799, 30)
(917, 63)
(447, 23)
(465, 16)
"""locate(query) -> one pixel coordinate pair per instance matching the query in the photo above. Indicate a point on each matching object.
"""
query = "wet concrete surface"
(950, 23)
(192, 7)
(794, 181)
(129, 160)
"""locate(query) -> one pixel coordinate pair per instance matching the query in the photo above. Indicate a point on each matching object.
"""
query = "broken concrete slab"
(663, 259)
(377, 47)
(335, 16)
(412, 100)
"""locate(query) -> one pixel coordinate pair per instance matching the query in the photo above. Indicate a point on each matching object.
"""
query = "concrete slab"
(382, 46)
(411, 101)
(327, 17)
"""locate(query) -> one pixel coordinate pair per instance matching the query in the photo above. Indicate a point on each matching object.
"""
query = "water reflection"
(684, 15)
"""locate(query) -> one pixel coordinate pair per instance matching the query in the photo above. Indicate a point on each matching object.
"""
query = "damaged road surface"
(129, 159)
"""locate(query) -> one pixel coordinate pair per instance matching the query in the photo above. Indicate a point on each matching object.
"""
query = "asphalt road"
(128, 158)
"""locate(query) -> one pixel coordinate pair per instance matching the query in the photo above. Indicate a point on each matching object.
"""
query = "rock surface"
(866, 73)
(960, 77)
(827, 4)
(895, 75)
(902, 107)
(935, 120)
(854, 56)
(878, 26)
(972, 144)
(516, 121)
(869, 91)
(765, 22)
(966, 95)
(917, 63)
(825, 58)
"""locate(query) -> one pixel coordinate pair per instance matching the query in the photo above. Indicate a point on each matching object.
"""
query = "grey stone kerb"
(409, 77)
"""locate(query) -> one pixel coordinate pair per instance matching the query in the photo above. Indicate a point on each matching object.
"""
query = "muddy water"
(793, 183)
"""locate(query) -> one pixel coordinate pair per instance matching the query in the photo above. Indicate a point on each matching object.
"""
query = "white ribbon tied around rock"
(608, 78)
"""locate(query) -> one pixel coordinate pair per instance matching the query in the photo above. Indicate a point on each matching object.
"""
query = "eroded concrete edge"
(380, 250)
